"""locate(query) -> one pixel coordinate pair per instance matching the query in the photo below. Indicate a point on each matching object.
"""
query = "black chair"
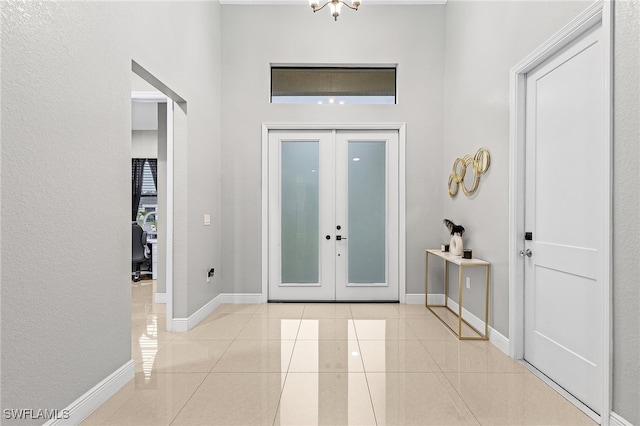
(138, 252)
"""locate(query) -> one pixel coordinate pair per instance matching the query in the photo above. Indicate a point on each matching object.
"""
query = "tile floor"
(333, 364)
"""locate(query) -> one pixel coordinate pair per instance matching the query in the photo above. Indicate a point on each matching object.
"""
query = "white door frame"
(399, 127)
(601, 11)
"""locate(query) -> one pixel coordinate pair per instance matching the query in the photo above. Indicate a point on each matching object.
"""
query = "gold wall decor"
(480, 164)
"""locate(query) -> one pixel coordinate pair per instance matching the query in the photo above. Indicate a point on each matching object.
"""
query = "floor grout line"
(188, 399)
(286, 374)
(366, 377)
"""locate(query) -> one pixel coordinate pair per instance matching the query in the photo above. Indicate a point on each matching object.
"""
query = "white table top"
(458, 260)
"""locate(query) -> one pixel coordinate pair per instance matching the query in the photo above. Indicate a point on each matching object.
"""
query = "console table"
(446, 311)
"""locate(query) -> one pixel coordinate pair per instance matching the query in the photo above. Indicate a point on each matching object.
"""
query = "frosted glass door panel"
(300, 198)
(301, 205)
(367, 206)
(367, 194)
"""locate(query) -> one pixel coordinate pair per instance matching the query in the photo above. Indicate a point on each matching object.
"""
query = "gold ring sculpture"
(480, 162)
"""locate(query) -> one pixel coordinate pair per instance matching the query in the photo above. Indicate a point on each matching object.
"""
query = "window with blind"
(144, 190)
(148, 186)
(333, 85)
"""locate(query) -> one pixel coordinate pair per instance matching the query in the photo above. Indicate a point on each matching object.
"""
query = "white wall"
(65, 281)
(412, 37)
(484, 40)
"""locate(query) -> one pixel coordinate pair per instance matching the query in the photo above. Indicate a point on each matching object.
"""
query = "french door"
(333, 215)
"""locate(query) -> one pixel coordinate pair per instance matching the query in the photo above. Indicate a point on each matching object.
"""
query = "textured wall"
(65, 292)
(66, 133)
(484, 41)
(411, 36)
(626, 204)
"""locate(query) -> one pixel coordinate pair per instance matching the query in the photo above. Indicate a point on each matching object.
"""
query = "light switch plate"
(207, 219)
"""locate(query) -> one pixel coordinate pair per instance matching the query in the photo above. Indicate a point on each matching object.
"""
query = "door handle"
(526, 252)
(340, 237)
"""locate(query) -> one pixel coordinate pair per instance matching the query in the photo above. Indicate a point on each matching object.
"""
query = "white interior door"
(333, 215)
(564, 278)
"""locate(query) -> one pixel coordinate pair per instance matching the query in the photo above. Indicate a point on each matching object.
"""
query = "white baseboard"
(499, 341)
(82, 407)
(414, 299)
(496, 338)
(467, 315)
(182, 325)
(160, 298)
(418, 299)
(436, 299)
(617, 420)
(242, 298)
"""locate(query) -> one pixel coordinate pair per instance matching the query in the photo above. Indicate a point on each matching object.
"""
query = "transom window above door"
(333, 85)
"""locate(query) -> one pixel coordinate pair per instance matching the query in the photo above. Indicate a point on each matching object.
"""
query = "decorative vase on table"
(455, 246)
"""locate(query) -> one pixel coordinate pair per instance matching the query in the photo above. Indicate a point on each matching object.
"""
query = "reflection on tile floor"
(313, 364)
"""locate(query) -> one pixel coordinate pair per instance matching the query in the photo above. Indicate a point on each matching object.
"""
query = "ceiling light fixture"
(334, 6)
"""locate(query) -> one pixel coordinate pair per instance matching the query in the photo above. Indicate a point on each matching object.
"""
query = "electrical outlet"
(468, 283)
(210, 273)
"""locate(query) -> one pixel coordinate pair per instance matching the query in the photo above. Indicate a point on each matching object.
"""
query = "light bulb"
(335, 7)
